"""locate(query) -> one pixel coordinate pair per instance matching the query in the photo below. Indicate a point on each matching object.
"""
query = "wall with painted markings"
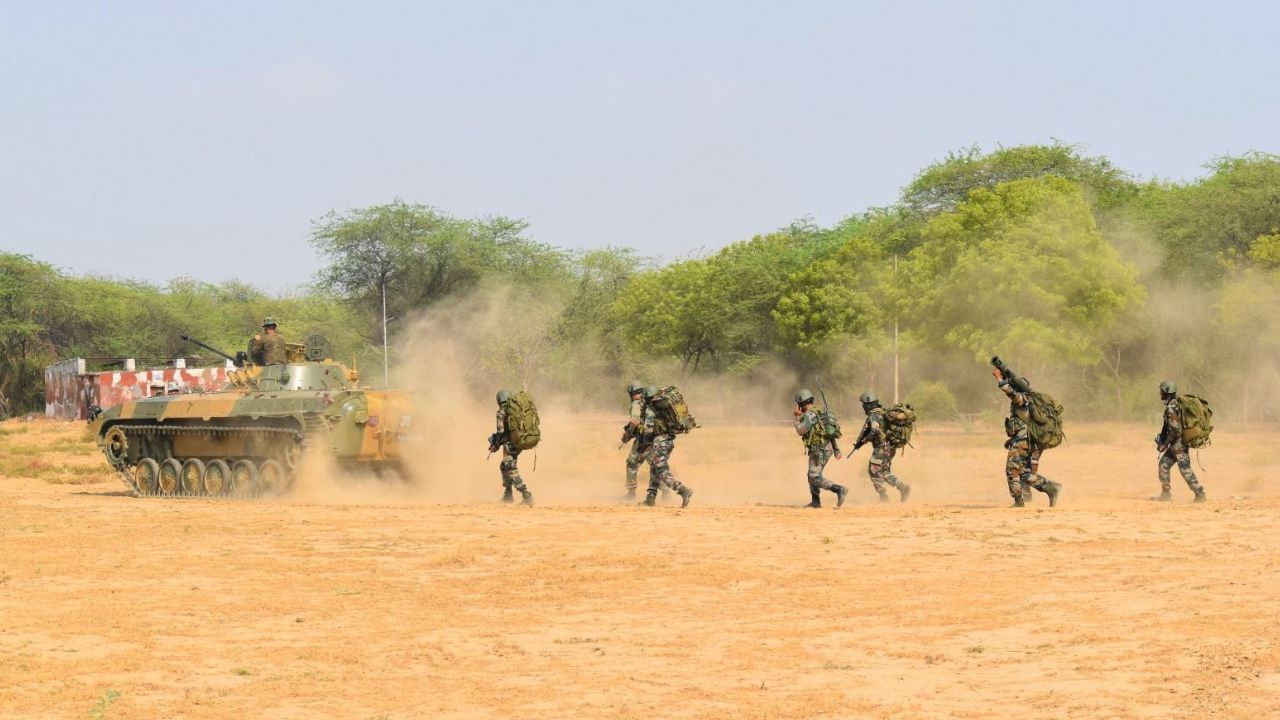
(69, 391)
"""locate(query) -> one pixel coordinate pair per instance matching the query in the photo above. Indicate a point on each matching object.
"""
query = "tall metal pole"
(385, 372)
(895, 335)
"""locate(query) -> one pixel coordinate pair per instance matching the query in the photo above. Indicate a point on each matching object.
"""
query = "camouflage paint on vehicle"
(254, 429)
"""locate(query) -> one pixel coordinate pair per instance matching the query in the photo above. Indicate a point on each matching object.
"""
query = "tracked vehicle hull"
(248, 439)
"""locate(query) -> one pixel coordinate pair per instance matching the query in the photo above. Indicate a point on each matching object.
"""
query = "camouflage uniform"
(1022, 466)
(635, 458)
(880, 467)
(510, 456)
(819, 452)
(656, 444)
(269, 350)
(1175, 451)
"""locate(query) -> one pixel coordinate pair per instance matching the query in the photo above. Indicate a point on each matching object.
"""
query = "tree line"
(1094, 283)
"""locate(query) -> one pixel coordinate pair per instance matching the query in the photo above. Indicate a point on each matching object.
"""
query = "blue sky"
(158, 140)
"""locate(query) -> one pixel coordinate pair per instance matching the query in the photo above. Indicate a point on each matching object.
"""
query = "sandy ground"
(434, 600)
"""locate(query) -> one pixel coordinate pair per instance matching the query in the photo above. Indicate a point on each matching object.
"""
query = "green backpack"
(672, 412)
(826, 429)
(1197, 420)
(522, 421)
(900, 422)
(1043, 416)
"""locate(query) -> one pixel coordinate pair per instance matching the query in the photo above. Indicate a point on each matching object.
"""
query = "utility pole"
(385, 365)
(895, 334)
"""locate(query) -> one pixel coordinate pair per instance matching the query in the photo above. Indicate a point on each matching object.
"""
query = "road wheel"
(272, 477)
(244, 478)
(193, 477)
(116, 445)
(292, 455)
(170, 472)
(217, 478)
(146, 476)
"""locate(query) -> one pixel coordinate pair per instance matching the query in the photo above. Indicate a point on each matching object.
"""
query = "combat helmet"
(1168, 388)
(634, 387)
(268, 321)
(803, 396)
(650, 391)
(503, 395)
(869, 399)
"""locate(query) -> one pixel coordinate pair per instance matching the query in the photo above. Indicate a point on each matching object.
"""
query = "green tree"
(30, 298)
(1217, 223)
(1020, 269)
(944, 185)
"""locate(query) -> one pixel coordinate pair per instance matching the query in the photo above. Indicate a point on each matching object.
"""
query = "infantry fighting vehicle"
(248, 438)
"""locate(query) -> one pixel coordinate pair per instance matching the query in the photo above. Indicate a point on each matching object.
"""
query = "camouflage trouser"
(658, 455)
(880, 468)
(1021, 468)
(1177, 453)
(635, 459)
(511, 473)
(819, 455)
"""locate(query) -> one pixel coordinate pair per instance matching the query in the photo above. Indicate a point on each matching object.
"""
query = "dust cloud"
(455, 357)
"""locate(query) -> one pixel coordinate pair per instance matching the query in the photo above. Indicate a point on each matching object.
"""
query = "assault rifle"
(862, 439)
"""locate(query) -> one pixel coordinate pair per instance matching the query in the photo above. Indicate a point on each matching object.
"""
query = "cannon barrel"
(238, 362)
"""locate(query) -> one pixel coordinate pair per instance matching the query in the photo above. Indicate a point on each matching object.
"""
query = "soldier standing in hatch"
(819, 447)
(267, 348)
(880, 468)
(1023, 463)
(1172, 449)
(510, 455)
(658, 442)
(631, 433)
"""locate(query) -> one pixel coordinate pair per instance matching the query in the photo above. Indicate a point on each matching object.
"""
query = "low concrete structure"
(70, 389)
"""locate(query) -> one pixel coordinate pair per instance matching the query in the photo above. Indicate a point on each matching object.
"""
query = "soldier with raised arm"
(1023, 462)
(268, 347)
(819, 445)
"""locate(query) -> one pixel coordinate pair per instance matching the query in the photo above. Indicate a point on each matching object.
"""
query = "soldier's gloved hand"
(995, 372)
(797, 412)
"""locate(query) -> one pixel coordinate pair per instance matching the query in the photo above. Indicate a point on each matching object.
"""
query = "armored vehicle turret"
(248, 438)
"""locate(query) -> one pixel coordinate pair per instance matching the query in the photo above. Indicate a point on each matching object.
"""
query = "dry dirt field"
(364, 600)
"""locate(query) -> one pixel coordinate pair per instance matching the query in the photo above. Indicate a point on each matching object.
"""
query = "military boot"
(526, 498)
(1052, 489)
(631, 494)
(686, 493)
(650, 499)
(506, 495)
(884, 496)
(815, 497)
(1199, 496)
(841, 492)
(1164, 496)
(1027, 495)
(1018, 502)
(904, 491)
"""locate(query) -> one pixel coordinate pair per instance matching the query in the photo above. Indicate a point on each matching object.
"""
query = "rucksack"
(522, 421)
(824, 430)
(1043, 416)
(1197, 420)
(900, 422)
(672, 412)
